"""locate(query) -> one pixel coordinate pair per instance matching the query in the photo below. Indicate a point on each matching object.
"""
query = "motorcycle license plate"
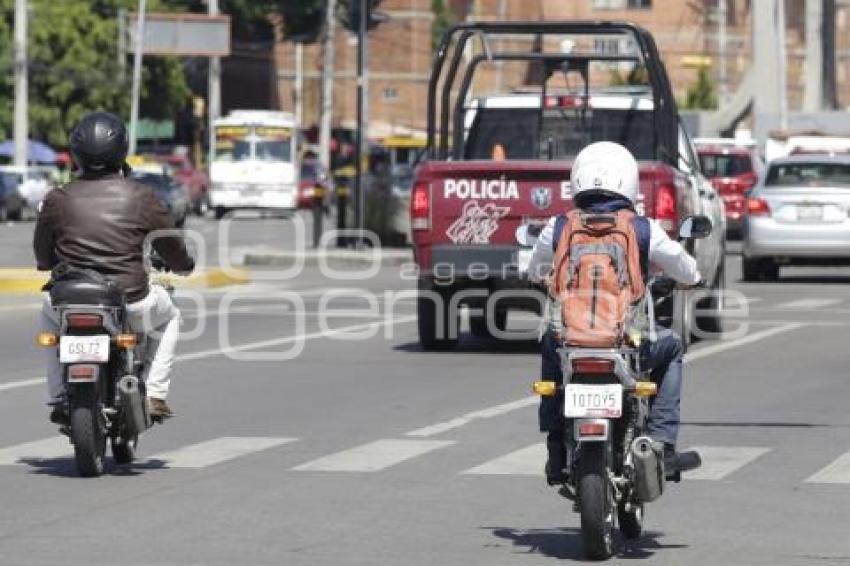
(76, 349)
(582, 401)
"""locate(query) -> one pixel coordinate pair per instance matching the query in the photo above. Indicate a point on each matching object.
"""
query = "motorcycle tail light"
(80, 320)
(82, 373)
(757, 207)
(593, 365)
(592, 428)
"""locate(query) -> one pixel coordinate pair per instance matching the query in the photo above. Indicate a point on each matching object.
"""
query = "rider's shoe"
(159, 409)
(557, 461)
(671, 464)
(59, 416)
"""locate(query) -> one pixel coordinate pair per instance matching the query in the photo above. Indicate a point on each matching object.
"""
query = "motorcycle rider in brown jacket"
(100, 222)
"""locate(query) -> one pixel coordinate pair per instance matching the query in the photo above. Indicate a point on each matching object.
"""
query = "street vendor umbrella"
(37, 152)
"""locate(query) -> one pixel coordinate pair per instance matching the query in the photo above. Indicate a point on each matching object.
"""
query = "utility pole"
(813, 69)
(214, 89)
(327, 85)
(721, 51)
(122, 44)
(21, 89)
(779, 21)
(137, 75)
(298, 93)
(362, 111)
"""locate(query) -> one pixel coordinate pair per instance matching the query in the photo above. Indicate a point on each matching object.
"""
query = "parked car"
(172, 194)
(733, 169)
(799, 214)
(12, 204)
(32, 185)
(313, 175)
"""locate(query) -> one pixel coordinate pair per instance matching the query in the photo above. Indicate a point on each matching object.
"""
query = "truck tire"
(433, 321)
(479, 328)
(220, 212)
(713, 322)
(760, 269)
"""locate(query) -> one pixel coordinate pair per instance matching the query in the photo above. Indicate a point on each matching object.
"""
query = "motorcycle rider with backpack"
(95, 227)
(604, 181)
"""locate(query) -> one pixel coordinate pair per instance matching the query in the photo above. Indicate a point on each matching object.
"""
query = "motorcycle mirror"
(695, 227)
(524, 236)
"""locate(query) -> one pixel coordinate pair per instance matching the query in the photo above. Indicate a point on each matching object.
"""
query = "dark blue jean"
(663, 357)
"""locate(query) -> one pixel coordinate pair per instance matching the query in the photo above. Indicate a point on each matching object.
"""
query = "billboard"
(183, 34)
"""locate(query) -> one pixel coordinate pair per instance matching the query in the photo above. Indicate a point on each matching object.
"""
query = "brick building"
(400, 50)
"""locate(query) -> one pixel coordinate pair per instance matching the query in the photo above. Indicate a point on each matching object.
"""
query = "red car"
(733, 168)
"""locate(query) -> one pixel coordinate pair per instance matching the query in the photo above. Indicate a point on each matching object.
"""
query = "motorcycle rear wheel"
(87, 434)
(596, 502)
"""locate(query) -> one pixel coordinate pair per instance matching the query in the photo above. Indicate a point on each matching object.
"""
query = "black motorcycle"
(101, 365)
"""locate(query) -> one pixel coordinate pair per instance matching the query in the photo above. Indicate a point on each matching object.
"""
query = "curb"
(313, 258)
(20, 281)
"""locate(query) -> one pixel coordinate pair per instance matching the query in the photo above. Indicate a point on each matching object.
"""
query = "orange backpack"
(597, 277)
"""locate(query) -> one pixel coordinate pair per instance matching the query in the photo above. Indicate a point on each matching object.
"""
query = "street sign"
(192, 35)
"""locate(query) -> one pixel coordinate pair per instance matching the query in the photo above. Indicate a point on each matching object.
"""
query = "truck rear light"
(420, 207)
(79, 320)
(593, 365)
(665, 207)
(757, 207)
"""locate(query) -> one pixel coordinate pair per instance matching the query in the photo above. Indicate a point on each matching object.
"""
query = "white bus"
(254, 162)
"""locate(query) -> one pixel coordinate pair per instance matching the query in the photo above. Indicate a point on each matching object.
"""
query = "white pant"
(156, 316)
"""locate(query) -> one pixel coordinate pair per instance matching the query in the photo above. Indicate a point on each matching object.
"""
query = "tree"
(443, 20)
(702, 95)
(74, 67)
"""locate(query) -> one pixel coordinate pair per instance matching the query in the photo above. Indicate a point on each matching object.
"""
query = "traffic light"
(350, 14)
(303, 21)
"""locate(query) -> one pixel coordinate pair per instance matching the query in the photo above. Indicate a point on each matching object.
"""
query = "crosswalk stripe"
(808, 304)
(217, 450)
(45, 449)
(526, 461)
(836, 472)
(373, 457)
(721, 461)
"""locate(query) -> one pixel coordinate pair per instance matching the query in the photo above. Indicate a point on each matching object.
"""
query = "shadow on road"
(566, 543)
(66, 468)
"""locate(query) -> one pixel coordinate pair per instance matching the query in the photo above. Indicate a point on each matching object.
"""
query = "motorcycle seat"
(84, 292)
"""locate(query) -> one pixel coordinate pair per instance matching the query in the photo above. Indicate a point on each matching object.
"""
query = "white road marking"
(723, 346)
(22, 383)
(721, 461)
(45, 449)
(498, 410)
(526, 461)
(217, 450)
(463, 420)
(808, 304)
(836, 472)
(373, 457)
(203, 354)
(290, 339)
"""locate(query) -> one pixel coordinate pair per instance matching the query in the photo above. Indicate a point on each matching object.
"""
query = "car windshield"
(159, 183)
(519, 134)
(277, 150)
(816, 174)
(725, 165)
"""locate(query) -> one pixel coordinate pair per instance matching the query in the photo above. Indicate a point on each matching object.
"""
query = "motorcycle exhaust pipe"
(134, 404)
(648, 463)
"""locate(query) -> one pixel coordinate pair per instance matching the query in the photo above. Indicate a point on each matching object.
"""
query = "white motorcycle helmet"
(605, 167)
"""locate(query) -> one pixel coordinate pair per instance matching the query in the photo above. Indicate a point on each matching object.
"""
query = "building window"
(390, 94)
(620, 4)
(639, 4)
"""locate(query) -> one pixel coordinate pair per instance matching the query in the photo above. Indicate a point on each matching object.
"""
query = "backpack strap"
(560, 223)
(644, 235)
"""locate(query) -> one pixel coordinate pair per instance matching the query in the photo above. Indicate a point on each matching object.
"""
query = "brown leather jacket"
(101, 224)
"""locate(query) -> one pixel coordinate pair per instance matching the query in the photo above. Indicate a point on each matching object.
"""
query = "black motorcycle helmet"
(99, 143)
